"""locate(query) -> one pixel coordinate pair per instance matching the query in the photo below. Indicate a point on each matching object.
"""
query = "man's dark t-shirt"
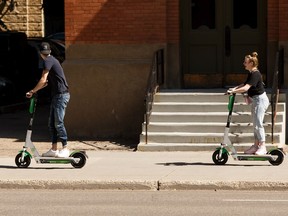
(56, 77)
(255, 80)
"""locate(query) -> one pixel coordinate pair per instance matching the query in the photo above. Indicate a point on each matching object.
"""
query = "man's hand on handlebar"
(29, 94)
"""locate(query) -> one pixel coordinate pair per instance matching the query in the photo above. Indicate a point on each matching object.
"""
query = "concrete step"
(202, 97)
(208, 117)
(177, 137)
(205, 107)
(212, 127)
(194, 97)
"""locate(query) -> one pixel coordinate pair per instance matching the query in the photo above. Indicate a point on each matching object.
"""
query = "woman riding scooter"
(257, 97)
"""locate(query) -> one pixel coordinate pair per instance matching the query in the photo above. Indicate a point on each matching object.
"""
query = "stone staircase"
(195, 121)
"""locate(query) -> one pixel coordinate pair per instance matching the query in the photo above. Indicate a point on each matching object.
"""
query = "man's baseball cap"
(45, 48)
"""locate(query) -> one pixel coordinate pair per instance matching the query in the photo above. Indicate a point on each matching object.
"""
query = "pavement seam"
(159, 181)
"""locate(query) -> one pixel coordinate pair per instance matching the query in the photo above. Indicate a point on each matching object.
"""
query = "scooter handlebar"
(229, 92)
(33, 101)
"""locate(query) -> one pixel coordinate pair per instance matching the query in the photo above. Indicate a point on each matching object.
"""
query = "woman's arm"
(241, 88)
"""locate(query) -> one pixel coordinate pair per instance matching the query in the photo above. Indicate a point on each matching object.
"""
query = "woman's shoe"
(252, 150)
(261, 150)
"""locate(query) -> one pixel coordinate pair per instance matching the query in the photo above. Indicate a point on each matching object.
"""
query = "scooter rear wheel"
(22, 164)
(280, 158)
(81, 162)
(216, 157)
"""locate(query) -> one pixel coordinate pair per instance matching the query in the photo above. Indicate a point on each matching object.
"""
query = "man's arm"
(42, 83)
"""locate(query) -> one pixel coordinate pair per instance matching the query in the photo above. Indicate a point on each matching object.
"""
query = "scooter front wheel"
(279, 159)
(22, 164)
(220, 160)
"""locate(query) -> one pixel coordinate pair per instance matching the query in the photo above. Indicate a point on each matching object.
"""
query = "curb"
(143, 185)
(78, 185)
(224, 185)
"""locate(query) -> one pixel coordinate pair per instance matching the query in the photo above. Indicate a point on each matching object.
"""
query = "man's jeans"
(56, 119)
(259, 106)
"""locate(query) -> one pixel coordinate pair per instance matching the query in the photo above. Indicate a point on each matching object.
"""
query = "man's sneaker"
(50, 153)
(63, 153)
(252, 149)
(261, 150)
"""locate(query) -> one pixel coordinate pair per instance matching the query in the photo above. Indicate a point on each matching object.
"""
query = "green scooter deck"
(252, 157)
(57, 160)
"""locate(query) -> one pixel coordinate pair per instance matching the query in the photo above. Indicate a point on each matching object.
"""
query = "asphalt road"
(142, 203)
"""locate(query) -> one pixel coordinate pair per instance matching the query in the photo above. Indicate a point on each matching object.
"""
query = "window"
(245, 13)
(203, 13)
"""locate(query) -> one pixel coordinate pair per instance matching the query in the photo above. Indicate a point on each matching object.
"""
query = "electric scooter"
(23, 158)
(220, 156)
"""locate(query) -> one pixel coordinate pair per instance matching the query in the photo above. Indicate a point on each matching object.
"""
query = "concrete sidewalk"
(128, 170)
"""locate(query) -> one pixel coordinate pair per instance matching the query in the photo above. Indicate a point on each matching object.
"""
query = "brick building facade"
(110, 45)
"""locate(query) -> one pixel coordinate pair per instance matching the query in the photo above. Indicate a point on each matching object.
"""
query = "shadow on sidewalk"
(33, 168)
(207, 164)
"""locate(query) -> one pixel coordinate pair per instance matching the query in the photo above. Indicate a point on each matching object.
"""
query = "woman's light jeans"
(259, 106)
(56, 119)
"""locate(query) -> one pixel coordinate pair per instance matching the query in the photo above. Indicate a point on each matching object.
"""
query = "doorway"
(215, 37)
(54, 16)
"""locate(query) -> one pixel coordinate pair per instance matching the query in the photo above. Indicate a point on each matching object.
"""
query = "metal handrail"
(277, 81)
(155, 79)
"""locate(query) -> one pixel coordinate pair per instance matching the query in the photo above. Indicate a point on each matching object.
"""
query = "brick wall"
(273, 20)
(121, 22)
(173, 28)
(144, 21)
(277, 20)
(26, 17)
(283, 20)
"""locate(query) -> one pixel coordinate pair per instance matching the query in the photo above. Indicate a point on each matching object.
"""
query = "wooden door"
(215, 37)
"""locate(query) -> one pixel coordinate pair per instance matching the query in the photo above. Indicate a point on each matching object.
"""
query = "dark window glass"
(202, 13)
(245, 13)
